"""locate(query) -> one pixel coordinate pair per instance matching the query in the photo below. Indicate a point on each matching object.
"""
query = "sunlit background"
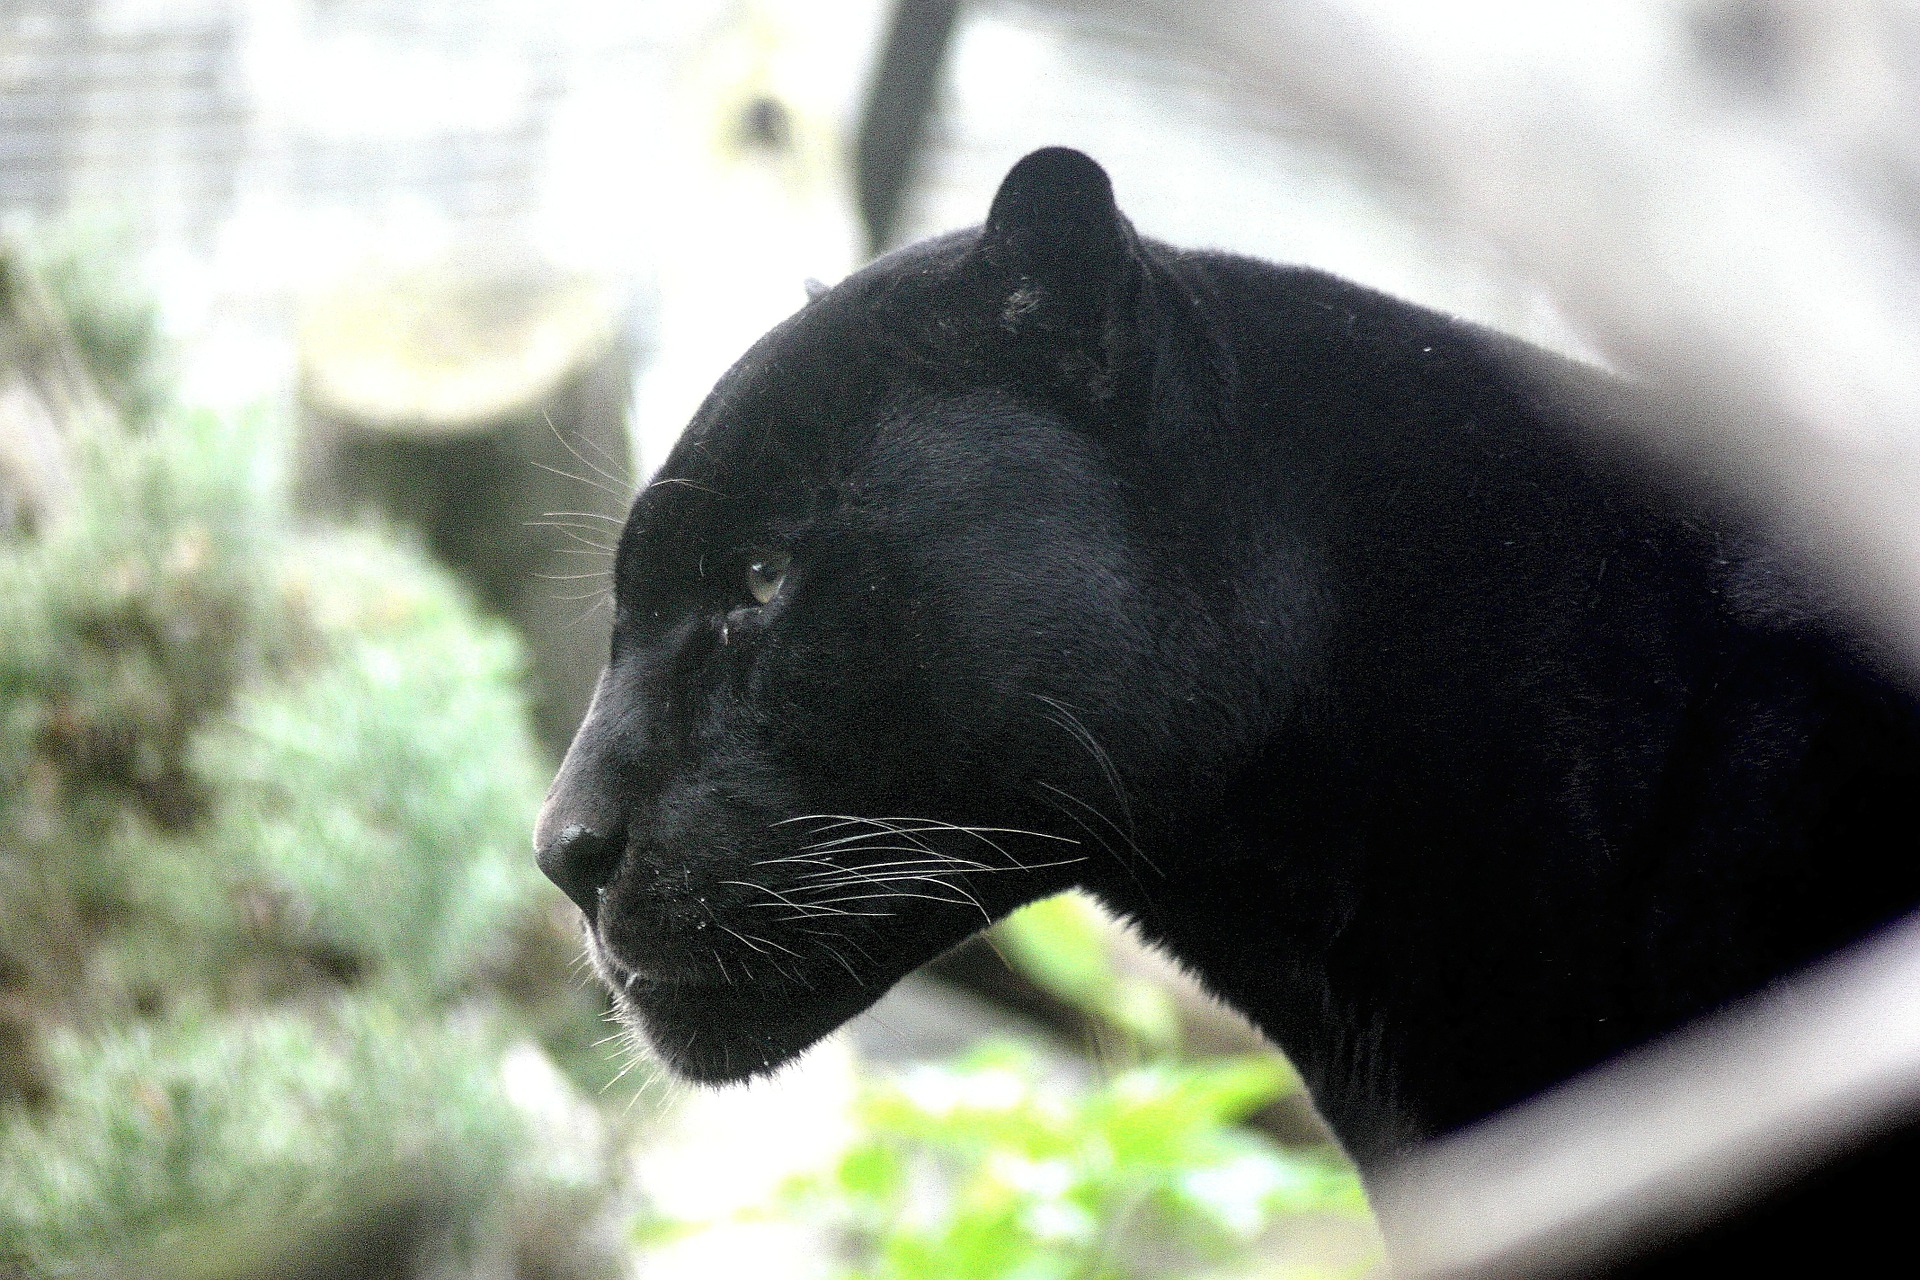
(334, 336)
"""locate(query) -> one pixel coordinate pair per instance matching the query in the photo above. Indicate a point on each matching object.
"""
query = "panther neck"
(1323, 996)
(1413, 978)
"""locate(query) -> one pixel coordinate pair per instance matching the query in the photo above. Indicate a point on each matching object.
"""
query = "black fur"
(1345, 647)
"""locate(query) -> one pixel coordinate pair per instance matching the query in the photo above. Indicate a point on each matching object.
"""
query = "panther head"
(875, 622)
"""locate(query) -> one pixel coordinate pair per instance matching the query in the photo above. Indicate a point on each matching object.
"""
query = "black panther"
(1358, 655)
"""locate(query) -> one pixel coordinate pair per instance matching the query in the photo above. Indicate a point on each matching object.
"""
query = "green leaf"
(1064, 944)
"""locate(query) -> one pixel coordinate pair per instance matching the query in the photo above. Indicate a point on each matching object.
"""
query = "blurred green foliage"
(988, 1169)
(166, 1132)
(402, 762)
(112, 318)
(264, 803)
(1064, 943)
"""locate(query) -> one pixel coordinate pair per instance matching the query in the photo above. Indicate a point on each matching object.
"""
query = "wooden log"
(482, 404)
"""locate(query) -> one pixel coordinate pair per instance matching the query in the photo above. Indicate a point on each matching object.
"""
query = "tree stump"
(482, 404)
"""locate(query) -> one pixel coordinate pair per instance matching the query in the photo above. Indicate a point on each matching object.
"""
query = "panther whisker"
(833, 820)
(840, 959)
(575, 533)
(887, 828)
(808, 894)
(903, 878)
(783, 898)
(654, 1077)
(982, 834)
(583, 459)
(892, 877)
(564, 520)
(1130, 864)
(958, 864)
(616, 521)
(967, 900)
(908, 827)
(898, 866)
(754, 937)
(664, 481)
(922, 851)
(569, 520)
(862, 842)
(621, 1074)
(892, 894)
(781, 969)
(1077, 728)
(1132, 844)
(842, 820)
(815, 880)
(571, 528)
(613, 460)
(815, 915)
(623, 496)
(915, 836)
(749, 945)
(814, 910)
(605, 600)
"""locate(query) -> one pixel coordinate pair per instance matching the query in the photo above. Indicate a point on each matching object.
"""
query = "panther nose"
(581, 861)
(581, 832)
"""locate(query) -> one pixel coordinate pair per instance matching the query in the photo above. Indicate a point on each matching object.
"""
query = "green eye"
(765, 574)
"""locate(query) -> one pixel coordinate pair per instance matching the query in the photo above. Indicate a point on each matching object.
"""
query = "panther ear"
(1064, 264)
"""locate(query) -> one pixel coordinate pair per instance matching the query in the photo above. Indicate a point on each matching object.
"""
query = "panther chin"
(717, 1032)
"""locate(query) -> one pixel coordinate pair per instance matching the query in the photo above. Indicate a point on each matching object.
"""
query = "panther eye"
(765, 575)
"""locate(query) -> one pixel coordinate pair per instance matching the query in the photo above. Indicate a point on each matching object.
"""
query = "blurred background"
(335, 336)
